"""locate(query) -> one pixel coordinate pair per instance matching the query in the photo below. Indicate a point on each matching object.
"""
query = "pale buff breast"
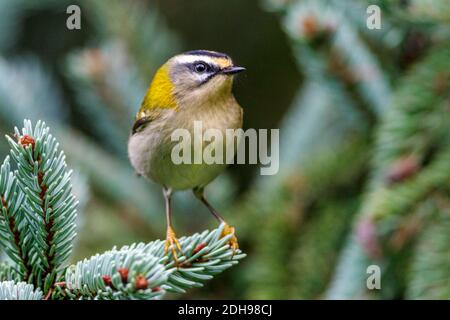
(150, 150)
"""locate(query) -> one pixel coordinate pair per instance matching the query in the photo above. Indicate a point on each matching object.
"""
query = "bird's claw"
(233, 242)
(173, 244)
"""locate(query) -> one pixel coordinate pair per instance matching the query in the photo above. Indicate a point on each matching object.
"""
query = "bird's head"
(190, 77)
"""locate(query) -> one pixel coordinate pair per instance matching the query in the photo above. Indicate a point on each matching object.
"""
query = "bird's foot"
(173, 244)
(233, 242)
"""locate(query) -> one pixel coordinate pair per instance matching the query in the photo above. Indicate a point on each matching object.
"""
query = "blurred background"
(364, 122)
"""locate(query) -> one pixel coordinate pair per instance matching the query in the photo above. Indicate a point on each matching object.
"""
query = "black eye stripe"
(209, 68)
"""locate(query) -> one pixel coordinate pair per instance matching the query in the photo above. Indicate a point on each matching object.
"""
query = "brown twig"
(16, 236)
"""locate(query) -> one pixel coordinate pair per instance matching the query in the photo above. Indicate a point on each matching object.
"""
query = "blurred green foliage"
(363, 117)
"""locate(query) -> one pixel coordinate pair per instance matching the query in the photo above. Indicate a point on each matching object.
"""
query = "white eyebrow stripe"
(192, 58)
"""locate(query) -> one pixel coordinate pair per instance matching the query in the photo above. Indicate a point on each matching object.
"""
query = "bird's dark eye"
(200, 67)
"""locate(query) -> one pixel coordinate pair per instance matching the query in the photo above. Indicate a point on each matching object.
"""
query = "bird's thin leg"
(171, 239)
(199, 194)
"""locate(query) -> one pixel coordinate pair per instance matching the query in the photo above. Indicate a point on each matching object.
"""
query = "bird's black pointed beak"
(233, 70)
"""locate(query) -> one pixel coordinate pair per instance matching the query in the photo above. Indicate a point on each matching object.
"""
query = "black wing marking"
(140, 124)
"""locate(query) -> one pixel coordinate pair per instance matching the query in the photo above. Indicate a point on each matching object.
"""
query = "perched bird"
(192, 86)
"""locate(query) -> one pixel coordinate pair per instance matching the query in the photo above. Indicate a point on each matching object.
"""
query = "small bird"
(192, 86)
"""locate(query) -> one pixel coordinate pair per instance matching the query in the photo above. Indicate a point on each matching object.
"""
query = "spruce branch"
(417, 120)
(144, 271)
(13, 228)
(9, 290)
(8, 273)
(107, 85)
(322, 28)
(50, 207)
(313, 259)
(207, 254)
(116, 274)
(419, 11)
(401, 199)
(140, 28)
(429, 275)
(416, 124)
(350, 272)
(415, 127)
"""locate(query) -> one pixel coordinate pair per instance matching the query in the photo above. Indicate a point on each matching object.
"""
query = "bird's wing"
(143, 118)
